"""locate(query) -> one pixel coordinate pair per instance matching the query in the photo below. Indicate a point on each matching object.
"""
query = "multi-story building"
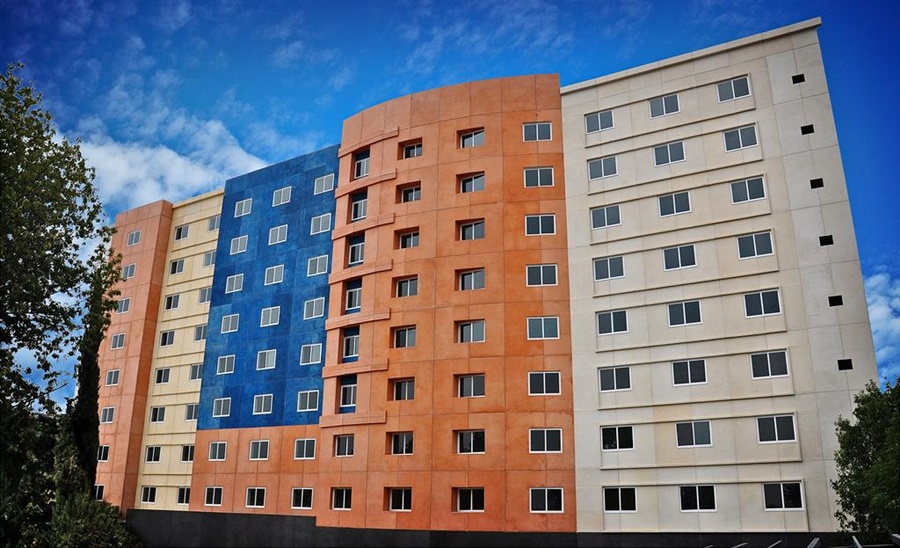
(630, 304)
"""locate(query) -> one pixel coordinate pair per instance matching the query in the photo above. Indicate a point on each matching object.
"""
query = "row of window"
(161, 376)
(770, 429)
(282, 196)
(702, 498)
(181, 231)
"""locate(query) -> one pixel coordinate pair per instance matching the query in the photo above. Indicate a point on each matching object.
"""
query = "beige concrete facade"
(815, 314)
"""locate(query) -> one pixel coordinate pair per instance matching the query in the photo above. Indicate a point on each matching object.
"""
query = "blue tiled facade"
(288, 377)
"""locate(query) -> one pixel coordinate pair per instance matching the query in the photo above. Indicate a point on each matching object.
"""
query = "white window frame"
(690, 376)
(181, 232)
(673, 197)
(112, 377)
(466, 442)
(157, 414)
(783, 507)
(259, 450)
(224, 407)
(314, 308)
(344, 445)
(128, 271)
(472, 138)
(668, 147)
(696, 489)
(537, 127)
(600, 125)
(225, 364)
(209, 259)
(304, 444)
(618, 261)
(742, 135)
(545, 432)
(618, 446)
(693, 425)
(342, 498)
(544, 322)
(172, 301)
(768, 357)
(664, 107)
(745, 184)
(606, 210)
(320, 223)
(540, 218)
(278, 234)
(544, 375)
(474, 182)
(615, 378)
(302, 491)
(680, 253)
(734, 95)
(767, 233)
(540, 176)
(608, 166)
(243, 207)
(213, 493)
(274, 275)
(117, 341)
(314, 351)
(762, 303)
(266, 359)
(536, 494)
(234, 283)
(471, 385)
(230, 323)
(316, 266)
(613, 316)
(196, 372)
(270, 316)
(107, 415)
(323, 184)
(308, 394)
(683, 306)
(167, 338)
(541, 271)
(238, 245)
(404, 337)
(775, 427)
(212, 224)
(148, 494)
(123, 305)
(281, 196)
(470, 326)
(133, 238)
(176, 267)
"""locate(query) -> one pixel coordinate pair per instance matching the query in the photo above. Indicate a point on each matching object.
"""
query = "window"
(154, 452)
(763, 303)
(187, 453)
(599, 168)
(470, 500)
(238, 245)
(356, 249)
(148, 495)
(117, 341)
(128, 271)
(545, 327)
(262, 404)
(265, 359)
(755, 245)
(682, 256)
(324, 183)
(123, 305)
(536, 225)
(614, 378)
(747, 190)
(782, 496)
(352, 296)
(181, 232)
(301, 498)
(209, 258)
(341, 498)
(317, 265)
(200, 333)
(617, 438)
(196, 372)
(361, 164)
(693, 434)
(538, 131)
(304, 448)
(134, 238)
(619, 499)
(410, 194)
(278, 234)
(471, 279)
(157, 414)
(733, 89)
(103, 453)
(472, 231)
(167, 338)
(469, 139)
(402, 443)
(213, 496)
(320, 223)
(172, 301)
(256, 497)
(668, 153)
(607, 268)
(162, 375)
(684, 313)
(689, 372)
(698, 498)
(399, 499)
(612, 322)
(274, 275)
(281, 196)
(405, 337)
(598, 121)
(176, 266)
(343, 445)
(184, 496)
(230, 323)
(662, 106)
(350, 345)
(112, 377)
(545, 440)
(408, 287)
(358, 206)
(243, 207)
(673, 204)
(212, 224)
(470, 386)
(221, 407)
(204, 295)
(471, 183)
(798, 78)
(191, 411)
(470, 441)
(776, 428)
(234, 283)
(259, 450)
(107, 415)
(744, 137)
(471, 331)
(404, 389)
(543, 383)
(225, 364)
(828, 239)
(538, 176)
(412, 150)
(540, 274)
(602, 217)
(409, 239)
(307, 400)
(769, 364)
(546, 500)
(348, 392)
(98, 491)
(314, 308)
(310, 353)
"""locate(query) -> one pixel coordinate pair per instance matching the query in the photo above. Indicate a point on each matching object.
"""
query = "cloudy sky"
(172, 97)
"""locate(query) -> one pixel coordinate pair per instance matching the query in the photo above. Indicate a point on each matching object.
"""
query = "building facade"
(630, 304)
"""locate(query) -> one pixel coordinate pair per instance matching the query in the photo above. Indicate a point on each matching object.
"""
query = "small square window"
(107, 415)
(748, 190)
(835, 300)
(281, 196)
(181, 232)
(470, 442)
(826, 240)
(408, 239)
(470, 332)
(733, 89)
(668, 153)
(469, 499)
(537, 131)
(762, 303)
(221, 407)
(471, 183)
(154, 452)
(401, 443)
(412, 150)
(302, 498)
(538, 225)
(359, 206)
(265, 359)
(399, 499)
(471, 279)
(470, 386)
(112, 377)
(128, 271)
(684, 313)
(270, 316)
(324, 183)
(343, 445)
(230, 323)
(204, 295)
(662, 106)
(162, 375)
(598, 121)
(543, 383)
(167, 338)
(673, 204)
(546, 500)
(274, 275)
(798, 78)
(191, 411)
(217, 450)
(405, 337)
(602, 217)
(259, 450)
(320, 224)
(238, 245)
(158, 414)
(176, 266)
(314, 308)
(614, 379)
(356, 250)
(778, 428)
(472, 138)
(352, 297)
(310, 353)
(407, 287)
(612, 322)
(278, 234)
(307, 400)
(187, 453)
(103, 453)
(209, 259)
(737, 139)
(404, 389)
(341, 498)
(243, 207)
(304, 448)
(117, 341)
(538, 177)
(473, 230)
(234, 283)
(409, 193)
(148, 495)
(845, 364)
(256, 497)
(225, 364)
(200, 333)
(184, 496)
(172, 302)
(133, 238)
(617, 438)
(262, 404)
(213, 496)
(316, 266)
(816, 183)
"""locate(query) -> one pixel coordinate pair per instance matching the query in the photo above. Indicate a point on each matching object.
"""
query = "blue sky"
(172, 97)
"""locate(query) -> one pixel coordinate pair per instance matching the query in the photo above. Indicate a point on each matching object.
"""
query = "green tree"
(868, 482)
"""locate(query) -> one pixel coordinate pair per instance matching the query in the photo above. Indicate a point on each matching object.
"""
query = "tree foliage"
(868, 464)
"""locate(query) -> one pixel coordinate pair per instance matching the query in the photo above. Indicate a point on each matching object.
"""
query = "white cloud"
(173, 15)
(883, 299)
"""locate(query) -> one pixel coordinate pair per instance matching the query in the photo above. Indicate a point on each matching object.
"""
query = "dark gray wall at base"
(196, 529)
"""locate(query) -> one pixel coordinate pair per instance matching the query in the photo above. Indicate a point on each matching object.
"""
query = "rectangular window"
(171, 302)
(361, 164)
(782, 496)
(103, 453)
(617, 438)
(607, 268)
(545, 500)
(196, 372)
(352, 296)
(733, 89)
(673, 204)
(356, 249)
(157, 414)
(348, 393)
(662, 106)
(602, 217)
(748, 190)
(107, 415)
(112, 377)
(399, 499)
(209, 259)
(763, 303)
(204, 295)
(689, 372)
(412, 150)
(599, 168)
(301, 498)
(684, 313)
(472, 230)
(470, 500)
(693, 434)
(133, 238)
(176, 266)
(281, 196)
(314, 308)
(408, 287)
(359, 203)
(262, 404)
(470, 442)
(668, 153)
(471, 279)
(598, 121)
(238, 245)
(167, 338)
(162, 375)
(341, 498)
(274, 275)
(737, 139)
(614, 378)
(682, 256)
(405, 337)
(212, 224)
(148, 495)
(259, 450)
(191, 411)
(324, 183)
(213, 496)
(776, 428)
(154, 452)
(98, 491)
(470, 386)
(615, 321)
(243, 207)
(698, 498)
(307, 400)
(304, 448)
(540, 274)
(350, 346)
(128, 272)
(408, 239)
(545, 440)
(278, 234)
(404, 389)
(402, 443)
(184, 496)
(265, 359)
(320, 223)
(230, 323)
(221, 407)
(543, 383)
(343, 445)
(536, 225)
(317, 265)
(538, 177)
(181, 232)
(187, 453)
(256, 497)
(117, 341)
(234, 283)
(225, 364)
(769, 364)
(544, 327)
(310, 353)
(473, 138)
(755, 245)
(410, 194)
(200, 333)
(537, 131)
(471, 183)
(123, 305)
(470, 332)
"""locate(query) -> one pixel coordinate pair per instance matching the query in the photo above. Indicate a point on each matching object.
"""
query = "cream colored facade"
(787, 91)
(171, 386)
